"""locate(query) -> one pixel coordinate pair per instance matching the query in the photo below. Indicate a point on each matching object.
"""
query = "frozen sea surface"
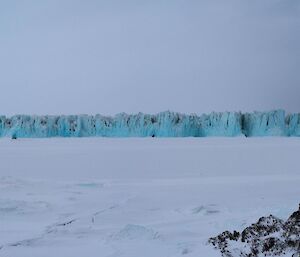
(134, 197)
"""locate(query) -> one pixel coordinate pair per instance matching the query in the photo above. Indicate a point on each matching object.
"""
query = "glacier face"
(293, 121)
(264, 123)
(165, 124)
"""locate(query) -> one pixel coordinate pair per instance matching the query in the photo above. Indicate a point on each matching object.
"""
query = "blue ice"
(164, 124)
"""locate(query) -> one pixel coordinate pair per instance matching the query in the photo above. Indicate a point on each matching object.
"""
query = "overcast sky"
(193, 56)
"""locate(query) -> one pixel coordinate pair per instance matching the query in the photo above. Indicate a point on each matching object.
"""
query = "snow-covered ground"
(139, 197)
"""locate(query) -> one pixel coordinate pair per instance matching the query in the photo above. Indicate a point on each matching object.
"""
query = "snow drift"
(165, 124)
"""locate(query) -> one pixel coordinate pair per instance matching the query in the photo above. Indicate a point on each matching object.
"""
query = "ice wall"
(293, 124)
(165, 124)
(264, 123)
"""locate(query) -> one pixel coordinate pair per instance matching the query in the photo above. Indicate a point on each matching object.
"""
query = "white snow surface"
(139, 197)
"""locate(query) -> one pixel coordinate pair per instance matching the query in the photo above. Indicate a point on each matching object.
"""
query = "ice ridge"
(164, 124)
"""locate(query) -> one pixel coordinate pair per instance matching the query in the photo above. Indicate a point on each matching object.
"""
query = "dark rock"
(269, 236)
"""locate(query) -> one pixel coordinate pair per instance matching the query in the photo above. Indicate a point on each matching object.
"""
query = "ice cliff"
(165, 124)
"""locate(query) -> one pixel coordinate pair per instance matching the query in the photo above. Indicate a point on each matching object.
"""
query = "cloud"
(113, 56)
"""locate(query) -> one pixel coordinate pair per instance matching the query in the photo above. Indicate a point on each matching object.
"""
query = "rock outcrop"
(269, 236)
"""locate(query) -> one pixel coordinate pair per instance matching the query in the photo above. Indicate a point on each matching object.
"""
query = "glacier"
(164, 124)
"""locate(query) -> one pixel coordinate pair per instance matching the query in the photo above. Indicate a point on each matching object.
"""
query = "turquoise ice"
(164, 124)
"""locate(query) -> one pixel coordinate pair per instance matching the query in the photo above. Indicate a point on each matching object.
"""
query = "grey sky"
(63, 56)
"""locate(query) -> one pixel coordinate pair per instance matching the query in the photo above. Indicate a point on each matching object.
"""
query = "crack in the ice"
(52, 229)
(66, 223)
(25, 242)
(102, 211)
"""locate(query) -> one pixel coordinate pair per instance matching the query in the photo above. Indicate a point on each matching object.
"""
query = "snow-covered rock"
(270, 236)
